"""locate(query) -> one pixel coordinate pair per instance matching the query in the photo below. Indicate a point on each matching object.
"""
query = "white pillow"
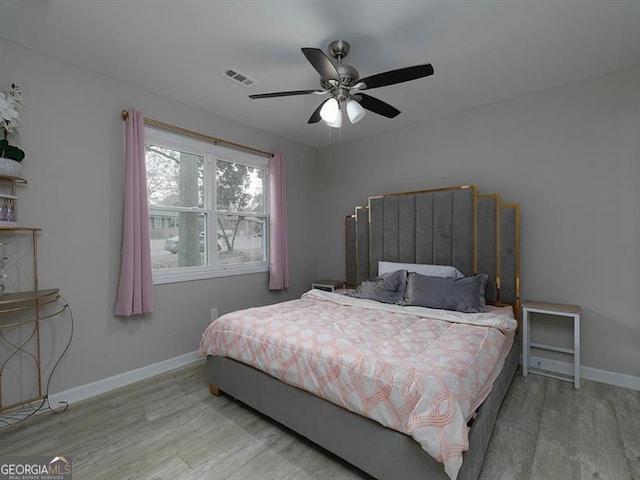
(423, 269)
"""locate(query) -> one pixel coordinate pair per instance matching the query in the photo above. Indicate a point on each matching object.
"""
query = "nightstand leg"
(576, 351)
(525, 342)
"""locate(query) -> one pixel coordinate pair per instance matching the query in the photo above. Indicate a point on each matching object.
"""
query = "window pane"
(173, 177)
(241, 239)
(240, 188)
(184, 245)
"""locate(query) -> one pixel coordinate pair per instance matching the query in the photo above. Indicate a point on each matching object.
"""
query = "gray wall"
(570, 156)
(73, 138)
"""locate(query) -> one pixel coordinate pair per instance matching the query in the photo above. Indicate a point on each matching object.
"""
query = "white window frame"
(211, 154)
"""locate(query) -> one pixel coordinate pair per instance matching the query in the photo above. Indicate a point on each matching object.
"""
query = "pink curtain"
(278, 244)
(135, 290)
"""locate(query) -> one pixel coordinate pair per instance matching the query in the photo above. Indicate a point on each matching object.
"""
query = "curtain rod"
(199, 136)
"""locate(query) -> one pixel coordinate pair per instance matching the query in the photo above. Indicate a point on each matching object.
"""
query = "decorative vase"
(10, 168)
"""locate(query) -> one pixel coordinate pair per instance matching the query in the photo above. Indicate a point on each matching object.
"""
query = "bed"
(453, 226)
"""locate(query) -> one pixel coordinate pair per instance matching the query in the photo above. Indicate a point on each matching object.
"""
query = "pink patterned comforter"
(415, 370)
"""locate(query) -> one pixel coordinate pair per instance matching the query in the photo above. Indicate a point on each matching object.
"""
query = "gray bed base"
(379, 451)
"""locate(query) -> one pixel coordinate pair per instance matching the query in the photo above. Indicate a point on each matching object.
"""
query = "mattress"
(418, 371)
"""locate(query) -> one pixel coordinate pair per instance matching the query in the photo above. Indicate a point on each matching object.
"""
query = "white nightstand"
(570, 311)
(328, 285)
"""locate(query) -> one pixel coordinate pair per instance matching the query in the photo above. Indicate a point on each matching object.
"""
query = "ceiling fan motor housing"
(348, 74)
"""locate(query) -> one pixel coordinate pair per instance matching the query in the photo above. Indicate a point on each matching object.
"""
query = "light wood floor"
(170, 427)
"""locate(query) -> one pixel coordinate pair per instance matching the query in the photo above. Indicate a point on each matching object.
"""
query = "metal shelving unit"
(22, 316)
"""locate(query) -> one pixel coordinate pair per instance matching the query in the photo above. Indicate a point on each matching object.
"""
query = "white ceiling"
(482, 51)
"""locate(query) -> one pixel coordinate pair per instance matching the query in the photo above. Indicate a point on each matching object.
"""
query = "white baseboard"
(92, 389)
(89, 390)
(588, 373)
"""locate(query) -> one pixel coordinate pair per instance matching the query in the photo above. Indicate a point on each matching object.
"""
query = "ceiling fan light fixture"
(355, 111)
(337, 123)
(330, 111)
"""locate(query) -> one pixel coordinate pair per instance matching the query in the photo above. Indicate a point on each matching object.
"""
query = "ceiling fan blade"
(321, 63)
(315, 116)
(398, 76)
(284, 94)
(377, 106)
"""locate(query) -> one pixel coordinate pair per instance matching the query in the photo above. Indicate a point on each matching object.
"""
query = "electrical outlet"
(214, 313)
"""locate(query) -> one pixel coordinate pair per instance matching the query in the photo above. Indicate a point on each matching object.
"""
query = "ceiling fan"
(344, 86)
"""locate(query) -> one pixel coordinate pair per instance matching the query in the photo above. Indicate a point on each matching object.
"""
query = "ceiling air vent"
(239, 77)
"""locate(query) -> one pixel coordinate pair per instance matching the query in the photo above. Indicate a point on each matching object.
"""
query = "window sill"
(177, 277)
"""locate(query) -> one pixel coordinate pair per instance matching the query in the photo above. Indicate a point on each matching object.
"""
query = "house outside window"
(208, 208)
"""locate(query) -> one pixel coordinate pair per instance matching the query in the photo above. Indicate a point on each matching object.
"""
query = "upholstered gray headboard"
(445, 226)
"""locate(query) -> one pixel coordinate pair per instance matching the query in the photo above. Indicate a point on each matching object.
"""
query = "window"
(208, 208)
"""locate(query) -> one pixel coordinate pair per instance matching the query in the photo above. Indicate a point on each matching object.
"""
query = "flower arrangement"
(10, 107)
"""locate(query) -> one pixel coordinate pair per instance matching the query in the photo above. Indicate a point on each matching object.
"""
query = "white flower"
(10, 106)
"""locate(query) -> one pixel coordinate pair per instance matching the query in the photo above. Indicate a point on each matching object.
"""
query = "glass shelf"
(18, 301)
(6, 178)
(18, 228)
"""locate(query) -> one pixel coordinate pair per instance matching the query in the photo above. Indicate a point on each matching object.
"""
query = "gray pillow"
(460, 294)
(386, 288)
